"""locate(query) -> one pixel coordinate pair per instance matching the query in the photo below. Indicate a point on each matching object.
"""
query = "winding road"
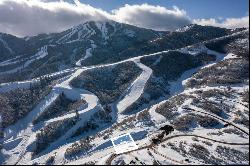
(152, 145)
(24, 130)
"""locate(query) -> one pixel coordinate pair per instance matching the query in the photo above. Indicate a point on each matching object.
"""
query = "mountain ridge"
(86, 44)
(196, 81)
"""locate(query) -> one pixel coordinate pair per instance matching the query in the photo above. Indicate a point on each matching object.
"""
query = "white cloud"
(22, 17)
(155, 17)
(31, 17)
(227, 23)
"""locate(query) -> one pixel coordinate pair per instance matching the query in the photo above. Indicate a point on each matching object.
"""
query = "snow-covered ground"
(39, 55)
(6, 45)
(103, 29)
(10, 61)
(21, 136)
(136, 89)
(178, 86)
(5, 87)
(88, 53)
(83, 32)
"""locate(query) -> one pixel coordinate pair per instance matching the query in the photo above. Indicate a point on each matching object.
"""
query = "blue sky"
(194, 8)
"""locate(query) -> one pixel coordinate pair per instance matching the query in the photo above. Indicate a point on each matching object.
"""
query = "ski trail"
(6, 87)
(178, 86)
(136, 89)
(88, 53)
(43, 52)
(91, 99)
(83, 32)
(6, 45)
(24, 129)
(10, 61)
(62, 140)
(23, 132)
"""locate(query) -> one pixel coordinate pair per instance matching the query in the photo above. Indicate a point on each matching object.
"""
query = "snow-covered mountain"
(86, 45)
(63, 96)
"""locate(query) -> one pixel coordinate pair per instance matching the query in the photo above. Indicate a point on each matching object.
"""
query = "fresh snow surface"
(68, 36)
(17, 143)
(194, 49)
(244, 43)
(79, 94)
(88, 53)
(136, 89)
(9, 62)
(230, 56)
(123, 143)
(129, 33)
(178, 86)
(155, 117)
(185, 28)
(39, 55)
(219, 57)
(103, 29)
(27, 38)
(83, 31)
(6, 87)
(23, 132)
(6, 45)
(103, 160)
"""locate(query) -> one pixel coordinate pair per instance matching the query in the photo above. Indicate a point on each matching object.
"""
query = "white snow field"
(39, 55)
(6, 45)
(88, 53)
(123, 143)
(23, 130)
(136, 89)
(5, 87)
(20, 137)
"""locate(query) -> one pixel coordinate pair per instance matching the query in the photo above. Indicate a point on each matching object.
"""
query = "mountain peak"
(185, 28)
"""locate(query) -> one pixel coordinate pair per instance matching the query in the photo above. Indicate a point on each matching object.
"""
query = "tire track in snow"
(218, 118)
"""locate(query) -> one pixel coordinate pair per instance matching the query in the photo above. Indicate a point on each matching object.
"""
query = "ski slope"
(25, 132)
(136, 89)
(88, 53)
(21, 136)
(42, 53)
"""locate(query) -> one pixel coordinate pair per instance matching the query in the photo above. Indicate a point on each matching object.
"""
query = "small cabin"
(167, 128)
(156, 140)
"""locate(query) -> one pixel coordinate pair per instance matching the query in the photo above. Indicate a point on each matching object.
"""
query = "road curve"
(113, 156)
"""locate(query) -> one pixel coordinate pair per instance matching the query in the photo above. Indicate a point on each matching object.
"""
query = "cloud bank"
(154, 17)
(32, 17)
(22, 17)
(230, 23)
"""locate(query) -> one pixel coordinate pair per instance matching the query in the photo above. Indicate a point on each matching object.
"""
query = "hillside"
(64, 97)
(86, 45)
